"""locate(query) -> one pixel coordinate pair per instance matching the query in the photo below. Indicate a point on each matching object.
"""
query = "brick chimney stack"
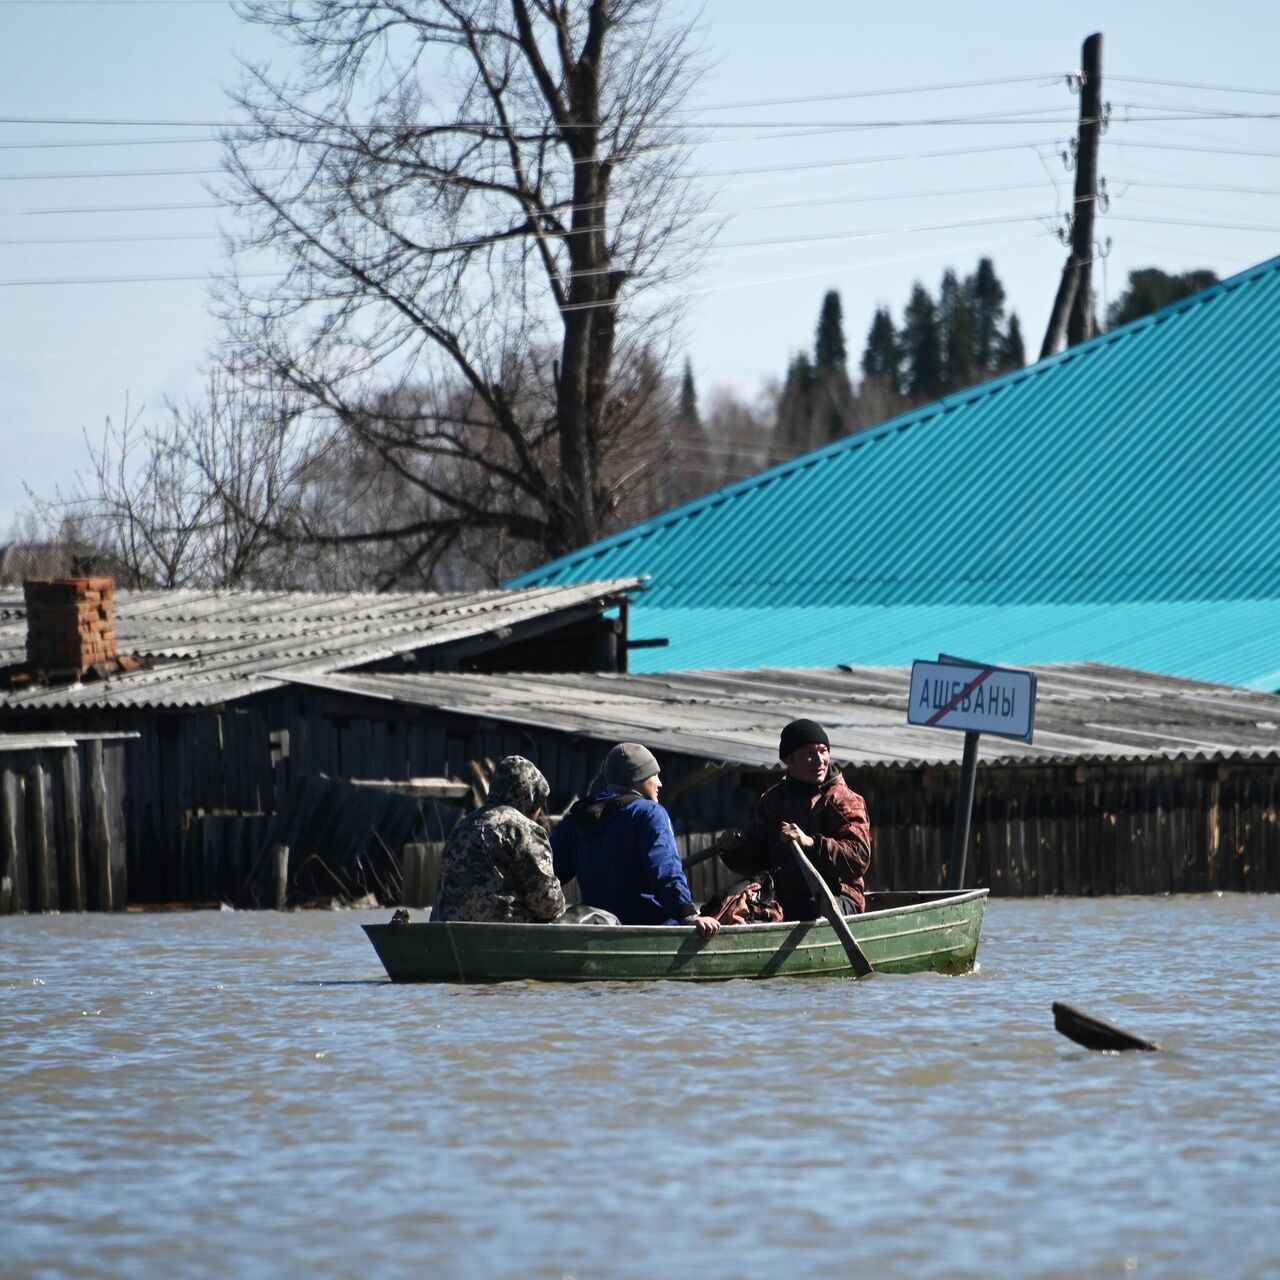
(70, 624)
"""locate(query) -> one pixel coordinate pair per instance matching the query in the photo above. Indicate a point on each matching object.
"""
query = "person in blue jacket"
(619, 843)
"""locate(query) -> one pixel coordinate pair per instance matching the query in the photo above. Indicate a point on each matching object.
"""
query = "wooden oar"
(1092, 1032)
(702, 855)
(830, 906)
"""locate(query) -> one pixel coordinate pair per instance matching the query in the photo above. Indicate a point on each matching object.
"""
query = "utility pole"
(1072, 315)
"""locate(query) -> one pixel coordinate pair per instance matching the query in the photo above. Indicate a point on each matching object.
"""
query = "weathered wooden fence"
(207, 795)
(62, 838)
(344, 843)
(1116, 827)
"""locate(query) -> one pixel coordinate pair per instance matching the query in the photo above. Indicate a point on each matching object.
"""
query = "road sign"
(950, 694)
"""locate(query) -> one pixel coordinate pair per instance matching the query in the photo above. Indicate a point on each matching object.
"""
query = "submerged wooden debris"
(1092, 1032)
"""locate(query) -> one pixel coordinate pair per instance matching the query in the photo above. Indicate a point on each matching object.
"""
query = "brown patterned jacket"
(834, 815)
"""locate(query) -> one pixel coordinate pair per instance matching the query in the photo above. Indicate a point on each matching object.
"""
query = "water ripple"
(214, 1095)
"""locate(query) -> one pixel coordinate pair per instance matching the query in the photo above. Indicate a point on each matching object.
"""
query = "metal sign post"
(953, 693)
(964, 810)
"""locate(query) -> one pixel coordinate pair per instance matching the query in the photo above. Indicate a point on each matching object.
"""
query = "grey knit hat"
(628, 764)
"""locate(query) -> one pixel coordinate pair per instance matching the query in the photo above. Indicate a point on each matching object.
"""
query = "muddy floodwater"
(222, 1094)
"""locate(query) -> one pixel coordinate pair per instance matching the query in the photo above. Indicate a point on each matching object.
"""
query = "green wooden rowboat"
(900, 933)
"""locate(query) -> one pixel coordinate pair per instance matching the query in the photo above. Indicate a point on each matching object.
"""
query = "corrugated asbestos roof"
(1142, 467)
(1083, 712)
(216, 646)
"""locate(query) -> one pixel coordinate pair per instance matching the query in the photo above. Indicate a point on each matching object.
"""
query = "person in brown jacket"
(814, 807)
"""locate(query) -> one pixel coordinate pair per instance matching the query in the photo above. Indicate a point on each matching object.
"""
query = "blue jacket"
(623, 851)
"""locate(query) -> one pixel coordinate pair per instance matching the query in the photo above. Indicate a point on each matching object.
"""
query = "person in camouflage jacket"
(496, 863)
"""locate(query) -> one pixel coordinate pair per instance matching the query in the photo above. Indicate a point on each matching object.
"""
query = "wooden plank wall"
(62, 829)
(1090, 830)
(201, 788)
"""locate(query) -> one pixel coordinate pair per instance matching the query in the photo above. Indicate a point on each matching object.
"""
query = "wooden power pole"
(1072, 316)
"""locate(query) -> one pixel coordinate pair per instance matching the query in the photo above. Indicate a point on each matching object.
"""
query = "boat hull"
(899, 932)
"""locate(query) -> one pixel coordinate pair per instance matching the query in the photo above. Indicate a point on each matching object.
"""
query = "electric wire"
(1188, 84)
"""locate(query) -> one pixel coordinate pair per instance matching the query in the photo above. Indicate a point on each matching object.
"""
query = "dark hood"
(593, 813)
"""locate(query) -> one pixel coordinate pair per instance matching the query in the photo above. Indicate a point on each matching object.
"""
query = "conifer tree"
(1150, 289)
(832, 392)
(688, 415)
(795, 404)
(955, 317)
(1011, 352)
(828, 347)
(986, 300)
(882, 356)
(921, 342)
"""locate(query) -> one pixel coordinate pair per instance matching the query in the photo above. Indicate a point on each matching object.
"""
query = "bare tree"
(475, 203)
(207, 495)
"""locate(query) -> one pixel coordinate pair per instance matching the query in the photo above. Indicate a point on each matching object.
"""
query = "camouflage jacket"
(496, 863)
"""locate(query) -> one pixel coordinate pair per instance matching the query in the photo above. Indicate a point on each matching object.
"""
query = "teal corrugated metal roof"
(1224, 642)
(1140, 468)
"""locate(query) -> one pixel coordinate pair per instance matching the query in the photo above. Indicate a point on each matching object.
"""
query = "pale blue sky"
(131, 324)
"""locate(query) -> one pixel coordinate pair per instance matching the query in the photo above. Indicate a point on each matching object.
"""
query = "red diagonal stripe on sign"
(984, 674)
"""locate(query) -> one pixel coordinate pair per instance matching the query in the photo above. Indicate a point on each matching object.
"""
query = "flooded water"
(245, 1095)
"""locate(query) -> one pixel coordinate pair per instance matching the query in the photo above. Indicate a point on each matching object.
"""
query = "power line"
(1187, 84)
(861, 160)
(1188, 113)
(848, 162)
(875, 93)
(1147, 181)
(809, 165)
(103, 4)
(1021, 115)
(1226, 188)
(1270, 228)
(207, 276)
(828, 237)
(79, 317)
(123, 173)
(43, 357)
(766, 243)
(1183, 146)
(122, 239)
(987, 119)
(114, 208)
(202, 277)
(771, 206)
(106, 142)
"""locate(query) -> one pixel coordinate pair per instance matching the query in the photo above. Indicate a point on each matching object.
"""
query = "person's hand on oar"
(792, 832)
(726, 842)
(829, 905)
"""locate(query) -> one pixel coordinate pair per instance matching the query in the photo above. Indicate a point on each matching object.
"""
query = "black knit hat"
(799, 733)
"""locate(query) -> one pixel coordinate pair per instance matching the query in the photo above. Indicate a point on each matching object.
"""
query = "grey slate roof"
(216, 646)
(1084, 711)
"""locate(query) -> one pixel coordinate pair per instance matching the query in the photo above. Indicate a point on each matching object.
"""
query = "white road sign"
(974, 698)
